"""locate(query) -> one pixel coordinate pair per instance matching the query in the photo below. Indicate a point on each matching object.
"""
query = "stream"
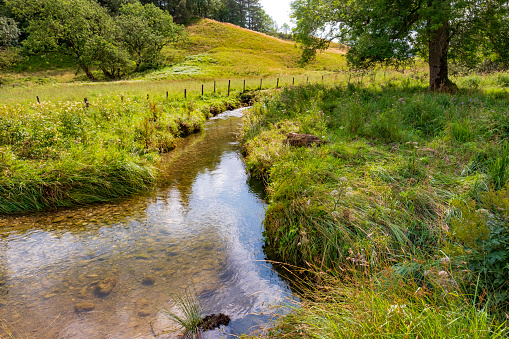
(112, 270)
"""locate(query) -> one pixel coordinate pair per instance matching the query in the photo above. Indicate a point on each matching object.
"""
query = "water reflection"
(201, 231)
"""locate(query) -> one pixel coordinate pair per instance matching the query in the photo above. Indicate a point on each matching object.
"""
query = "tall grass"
(64, 153)
(404, 311)
(188, 314)
(378, 196)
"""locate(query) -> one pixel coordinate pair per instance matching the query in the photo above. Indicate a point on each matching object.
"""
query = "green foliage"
(145, 30)
(503, 79)
(378, 206)
(80, 28)
(499, 169)
(9, 32)
(368, 308)
(482, 231)
(9, 35)
(86, 31)
(391, 33)
(9, 56)
(64, 154)
(380, 189)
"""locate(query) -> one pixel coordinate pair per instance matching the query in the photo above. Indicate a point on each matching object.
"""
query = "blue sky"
(279, 10)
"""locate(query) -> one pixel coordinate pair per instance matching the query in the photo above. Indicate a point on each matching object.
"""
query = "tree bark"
(88, 72)
(108, 74)
(438, 68)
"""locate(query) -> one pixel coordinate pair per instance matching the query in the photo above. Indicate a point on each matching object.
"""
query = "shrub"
(482, 232)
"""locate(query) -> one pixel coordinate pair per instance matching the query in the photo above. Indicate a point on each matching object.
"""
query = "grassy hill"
(214, 50)
(221, 49)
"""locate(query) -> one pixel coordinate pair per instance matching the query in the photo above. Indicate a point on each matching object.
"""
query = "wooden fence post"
(185, 93)
(214, 86)
(244, 88)
(229, 82)
(202, 90)
(166, 94)
(293, 81)
(38, 101)
(261, 80)
(277, 83)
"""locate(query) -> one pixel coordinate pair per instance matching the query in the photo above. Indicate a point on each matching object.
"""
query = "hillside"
(214, 50)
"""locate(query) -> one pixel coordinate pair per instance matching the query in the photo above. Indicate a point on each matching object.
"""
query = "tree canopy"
(87, 32)
(388, 32)
(145, 31)
(9, 32)
(9, 35)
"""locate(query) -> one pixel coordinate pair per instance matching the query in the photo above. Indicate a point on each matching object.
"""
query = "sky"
(278, 10)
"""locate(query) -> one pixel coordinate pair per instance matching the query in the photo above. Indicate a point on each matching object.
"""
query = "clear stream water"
(200, 233)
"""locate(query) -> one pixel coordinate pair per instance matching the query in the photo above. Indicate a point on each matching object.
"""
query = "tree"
(392, 32)
(82, 29)
(9, 34)
(114, 5)
(146, 29)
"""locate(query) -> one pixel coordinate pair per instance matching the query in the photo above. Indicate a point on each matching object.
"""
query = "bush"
(482, 231)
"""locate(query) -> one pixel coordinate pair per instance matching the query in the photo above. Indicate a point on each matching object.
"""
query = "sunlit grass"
(372, 310)
(55, 154)
(188, 314)
(377, 196)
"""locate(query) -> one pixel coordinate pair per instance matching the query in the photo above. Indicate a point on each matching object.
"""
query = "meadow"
(66, 141)
(400, 218)
(55, 154)
(399, 221)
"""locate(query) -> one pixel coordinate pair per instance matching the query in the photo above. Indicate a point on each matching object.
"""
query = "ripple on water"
(110, 270)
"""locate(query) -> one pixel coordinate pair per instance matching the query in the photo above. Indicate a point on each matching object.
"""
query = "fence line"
(265, 83)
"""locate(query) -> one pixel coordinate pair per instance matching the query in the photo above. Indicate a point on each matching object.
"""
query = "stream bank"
(394, 215)
(111, 270)
(55, 154)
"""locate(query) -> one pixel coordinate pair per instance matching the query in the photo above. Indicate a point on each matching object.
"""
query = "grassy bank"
(406, 201)
(56, 154)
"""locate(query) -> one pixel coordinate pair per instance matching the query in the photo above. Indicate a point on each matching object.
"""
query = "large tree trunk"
(108, 74)
(438, 69)
(88, 72)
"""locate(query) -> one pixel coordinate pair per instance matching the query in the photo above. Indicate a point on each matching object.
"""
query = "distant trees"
(87, 32)
(244, 13)
(115, 36)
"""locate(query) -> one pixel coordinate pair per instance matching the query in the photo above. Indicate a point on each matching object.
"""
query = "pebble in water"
(84, 307)
(142, 306)
(149, 280)
(105, 286)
